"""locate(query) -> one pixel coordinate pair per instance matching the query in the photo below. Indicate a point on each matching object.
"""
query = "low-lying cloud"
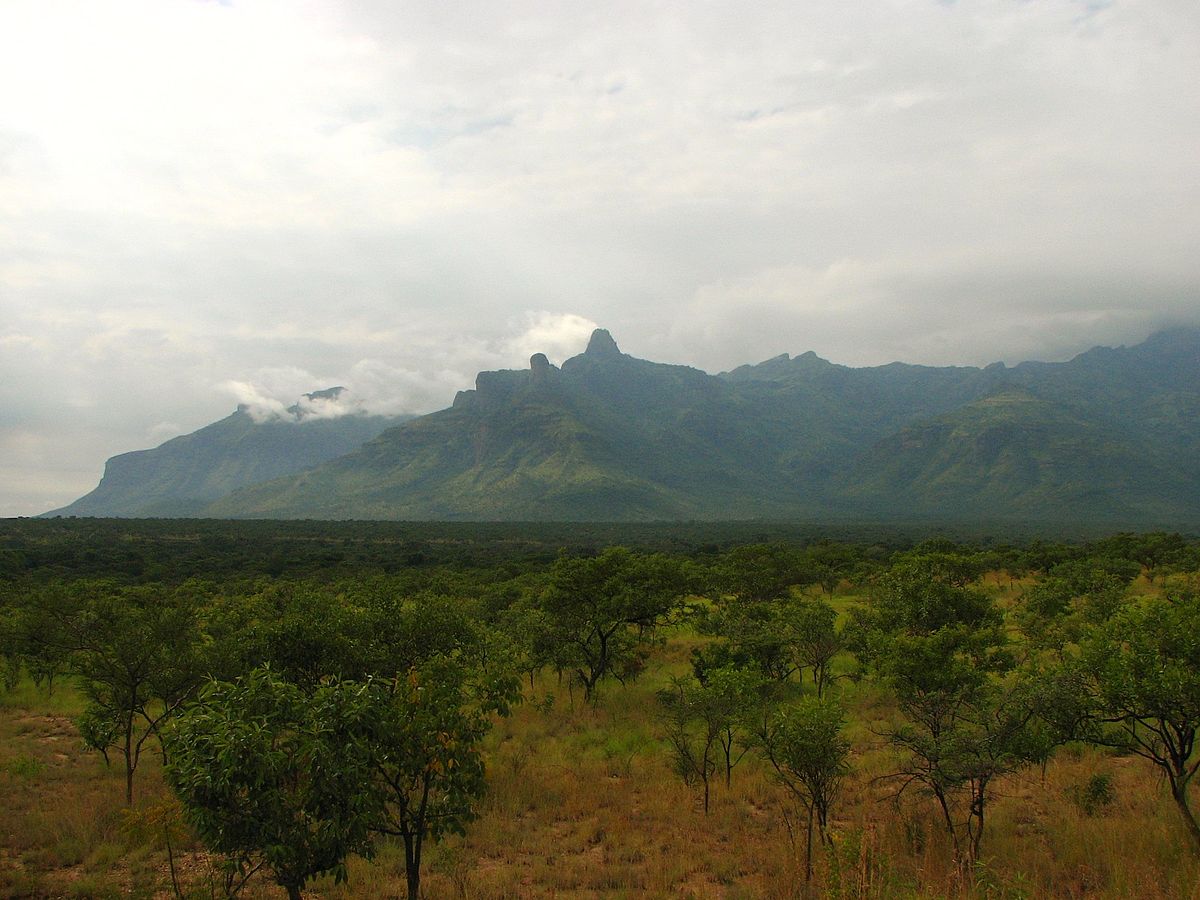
(375, 387)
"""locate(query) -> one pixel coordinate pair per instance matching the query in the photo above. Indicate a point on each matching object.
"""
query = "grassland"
(583, 803)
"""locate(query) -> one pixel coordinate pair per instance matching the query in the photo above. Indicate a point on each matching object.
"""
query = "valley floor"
(583, 803)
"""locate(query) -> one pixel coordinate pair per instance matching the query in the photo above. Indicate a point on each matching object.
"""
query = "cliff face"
(183, 475)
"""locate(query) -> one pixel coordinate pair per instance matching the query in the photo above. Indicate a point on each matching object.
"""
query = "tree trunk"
(293, 892)
(808, 866)
(129, 760)
(945, 806)
(977, 837)
(1179, 795)
(412, 866)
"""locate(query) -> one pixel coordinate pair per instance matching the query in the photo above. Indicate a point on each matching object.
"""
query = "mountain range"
(1110, 436)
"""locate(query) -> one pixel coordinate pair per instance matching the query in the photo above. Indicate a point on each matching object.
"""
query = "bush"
(1092, 795)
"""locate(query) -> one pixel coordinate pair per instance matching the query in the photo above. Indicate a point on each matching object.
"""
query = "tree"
(753, 632)
(11, 646)
(273, 776)
(733, 696)
(692, 727)
(1141, 673)
(805, 746)
(602, 610)
(136, 654)
(967, 719)
(965, 715)
(1046, 617)
(706, 721)
(407, 685)
(946, 561)
(422, 733)
(813, 637)
(757, 573)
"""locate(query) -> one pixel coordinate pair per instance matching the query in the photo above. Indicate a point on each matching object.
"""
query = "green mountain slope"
(186, 473)
(1012, 455)
(606, 436)
(1111, 434)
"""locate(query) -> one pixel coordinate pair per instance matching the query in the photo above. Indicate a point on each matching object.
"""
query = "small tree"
(1141, 672)
(692, 729)
(135, 652)
(423, 733)
(602, 610)
(273, 777)
(734, 696)
(806, 748)
(813, 637)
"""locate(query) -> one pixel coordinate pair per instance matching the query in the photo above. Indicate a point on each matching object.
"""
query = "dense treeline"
(173, 550)
(308, 718)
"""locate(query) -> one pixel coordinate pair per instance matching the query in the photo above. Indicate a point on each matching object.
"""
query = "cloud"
(912, 310)
(373, 386)
(392, 197)
(558, 335)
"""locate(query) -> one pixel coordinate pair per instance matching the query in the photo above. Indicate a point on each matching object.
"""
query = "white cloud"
(392, 196)
(558, 335)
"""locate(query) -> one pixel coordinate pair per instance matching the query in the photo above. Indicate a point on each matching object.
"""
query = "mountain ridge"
(184, 474)
(609, 436)
(1109, 435)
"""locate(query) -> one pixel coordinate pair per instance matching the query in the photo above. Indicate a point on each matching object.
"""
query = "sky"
(206, 203)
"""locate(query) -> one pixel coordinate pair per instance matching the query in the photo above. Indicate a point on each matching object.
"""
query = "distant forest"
(150, 550)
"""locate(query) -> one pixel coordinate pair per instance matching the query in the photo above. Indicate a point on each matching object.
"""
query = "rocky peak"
(602, 344)
(540, 370)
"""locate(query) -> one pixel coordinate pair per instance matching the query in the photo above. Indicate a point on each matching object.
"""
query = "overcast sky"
(207, 202)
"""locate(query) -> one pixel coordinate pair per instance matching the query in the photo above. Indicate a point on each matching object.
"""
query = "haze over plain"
(207, 203)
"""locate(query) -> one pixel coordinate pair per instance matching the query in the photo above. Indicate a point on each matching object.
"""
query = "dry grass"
(583, 805)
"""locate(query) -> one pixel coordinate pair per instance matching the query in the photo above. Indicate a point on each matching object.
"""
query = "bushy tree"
(757, 573)
(423, 734)
(804, 743)
(136, 653)
(273, 776)
(602, 610)
(751, 633)
(967, 718)
(1140, 671)
(966, 715)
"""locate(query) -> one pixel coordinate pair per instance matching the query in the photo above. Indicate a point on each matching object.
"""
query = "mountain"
(1111, 435)
(606, 436)
(1014, 455)
(183, 475)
